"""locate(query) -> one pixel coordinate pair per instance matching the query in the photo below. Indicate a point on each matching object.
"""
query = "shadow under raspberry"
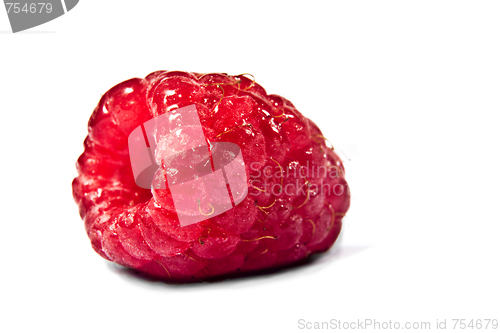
(307, 265)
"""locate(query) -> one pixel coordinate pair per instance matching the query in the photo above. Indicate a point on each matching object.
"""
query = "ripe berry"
(297, 194)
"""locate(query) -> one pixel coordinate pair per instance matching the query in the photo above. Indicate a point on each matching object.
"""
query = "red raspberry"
(297, 194)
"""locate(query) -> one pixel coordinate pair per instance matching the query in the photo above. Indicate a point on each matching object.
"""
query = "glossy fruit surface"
(297, 194)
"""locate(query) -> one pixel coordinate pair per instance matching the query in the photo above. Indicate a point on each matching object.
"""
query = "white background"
(408, 89)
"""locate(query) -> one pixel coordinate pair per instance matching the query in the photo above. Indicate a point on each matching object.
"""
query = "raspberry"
(297, 194)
